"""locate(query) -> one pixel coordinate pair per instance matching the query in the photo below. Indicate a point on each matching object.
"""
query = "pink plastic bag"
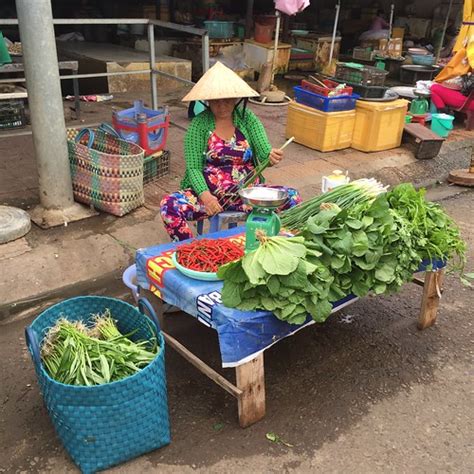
(291, 7)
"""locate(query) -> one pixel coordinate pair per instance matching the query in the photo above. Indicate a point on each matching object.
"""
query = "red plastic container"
(309, 86)
(146, 127)
(263, 33)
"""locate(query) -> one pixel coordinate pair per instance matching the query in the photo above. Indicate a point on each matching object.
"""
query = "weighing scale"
(420, 105)
(263, 217)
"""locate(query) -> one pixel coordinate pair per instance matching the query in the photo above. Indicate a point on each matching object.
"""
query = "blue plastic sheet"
(242, 335)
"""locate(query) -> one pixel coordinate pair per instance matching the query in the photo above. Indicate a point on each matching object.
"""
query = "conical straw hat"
(220, 82)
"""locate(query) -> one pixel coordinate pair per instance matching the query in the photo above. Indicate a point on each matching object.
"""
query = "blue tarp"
(242, 335)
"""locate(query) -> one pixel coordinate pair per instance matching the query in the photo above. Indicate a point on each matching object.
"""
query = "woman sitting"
(222, 147)
(455, 94)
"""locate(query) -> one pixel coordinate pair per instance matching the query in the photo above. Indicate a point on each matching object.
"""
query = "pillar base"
(46, 218)
(462, 177)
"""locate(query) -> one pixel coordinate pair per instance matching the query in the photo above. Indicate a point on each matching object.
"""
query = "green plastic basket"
(156, 166)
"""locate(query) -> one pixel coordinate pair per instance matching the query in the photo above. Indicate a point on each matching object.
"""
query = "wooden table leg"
(432, 288)
(251, 380)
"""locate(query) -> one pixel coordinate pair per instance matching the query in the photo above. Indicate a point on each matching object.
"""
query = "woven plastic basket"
(106, 172)
(103, 425)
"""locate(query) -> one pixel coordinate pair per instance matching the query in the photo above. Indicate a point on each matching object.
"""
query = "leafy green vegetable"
(371, 242)
(282, 281)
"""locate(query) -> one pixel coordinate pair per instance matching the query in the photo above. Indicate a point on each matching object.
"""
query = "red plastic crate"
(146, 127)
(309, 86)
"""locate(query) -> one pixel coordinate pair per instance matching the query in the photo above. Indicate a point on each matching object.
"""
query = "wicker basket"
(103, 425)
(106, 172)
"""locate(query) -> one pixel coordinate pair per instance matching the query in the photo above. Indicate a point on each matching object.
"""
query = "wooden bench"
(427, 143)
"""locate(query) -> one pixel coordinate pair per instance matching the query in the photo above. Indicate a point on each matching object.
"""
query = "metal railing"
(151, 24)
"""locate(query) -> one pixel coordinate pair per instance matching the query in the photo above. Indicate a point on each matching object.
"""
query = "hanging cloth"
(291, 7)
(457, 66)
(467, 28)
(463, 61)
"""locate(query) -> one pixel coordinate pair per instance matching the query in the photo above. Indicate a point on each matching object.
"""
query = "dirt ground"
(364, 392)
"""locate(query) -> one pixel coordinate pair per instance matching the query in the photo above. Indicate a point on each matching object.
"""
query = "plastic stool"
(146, 127)
(216, 221)
(129, 278)
(421, 118)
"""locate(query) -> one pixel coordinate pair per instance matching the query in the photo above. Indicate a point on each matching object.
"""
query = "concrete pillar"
(47, 115)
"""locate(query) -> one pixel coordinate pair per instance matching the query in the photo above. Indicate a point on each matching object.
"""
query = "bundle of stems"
(232, 193)
(358, 192)
(76, 354)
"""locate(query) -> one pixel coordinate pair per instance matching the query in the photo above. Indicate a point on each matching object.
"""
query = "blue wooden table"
(243, 336)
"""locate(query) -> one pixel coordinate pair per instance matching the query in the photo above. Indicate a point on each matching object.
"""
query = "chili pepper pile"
(207, 255)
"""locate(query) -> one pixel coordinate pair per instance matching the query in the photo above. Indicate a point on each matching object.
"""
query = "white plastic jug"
(333, 180)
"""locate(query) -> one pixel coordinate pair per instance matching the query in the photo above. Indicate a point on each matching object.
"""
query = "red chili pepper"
(208, 255)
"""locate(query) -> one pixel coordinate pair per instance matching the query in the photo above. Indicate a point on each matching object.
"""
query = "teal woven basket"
(104, 425)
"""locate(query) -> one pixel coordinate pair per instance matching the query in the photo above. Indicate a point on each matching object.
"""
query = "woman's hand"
(211, 203)
(276, 155)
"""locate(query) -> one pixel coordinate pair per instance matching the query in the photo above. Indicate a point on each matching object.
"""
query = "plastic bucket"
(442, 124)
(263, 33)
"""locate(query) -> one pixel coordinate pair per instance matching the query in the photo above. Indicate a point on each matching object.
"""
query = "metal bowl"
(389, 96)
(263, 197)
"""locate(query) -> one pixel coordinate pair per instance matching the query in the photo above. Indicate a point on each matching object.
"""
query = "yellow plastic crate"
(379, 125)
(323, 131)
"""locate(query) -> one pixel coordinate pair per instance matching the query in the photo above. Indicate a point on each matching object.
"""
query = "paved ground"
(372, 395)
(58, 261)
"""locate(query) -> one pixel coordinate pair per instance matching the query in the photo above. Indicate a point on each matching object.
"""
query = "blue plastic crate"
(325, 104)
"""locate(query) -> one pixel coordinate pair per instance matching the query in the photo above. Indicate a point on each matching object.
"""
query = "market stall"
(245, 324)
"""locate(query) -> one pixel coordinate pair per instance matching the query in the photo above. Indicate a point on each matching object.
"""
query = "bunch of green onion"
(361, 191)
(76, 354)
(233, 193)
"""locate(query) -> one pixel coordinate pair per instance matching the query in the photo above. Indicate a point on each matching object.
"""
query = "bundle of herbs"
(363, 247)
(78, 354)
(434, 233)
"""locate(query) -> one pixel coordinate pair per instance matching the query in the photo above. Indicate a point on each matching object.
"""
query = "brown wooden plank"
(421, 132)
(418, 281)
(203, 367)
(431, 296)
(251, 380)
(184, 352)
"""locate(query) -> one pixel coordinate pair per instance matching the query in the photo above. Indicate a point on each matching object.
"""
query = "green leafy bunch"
(76, 354)
(362, 248)
(283, 276)
(434, 233)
